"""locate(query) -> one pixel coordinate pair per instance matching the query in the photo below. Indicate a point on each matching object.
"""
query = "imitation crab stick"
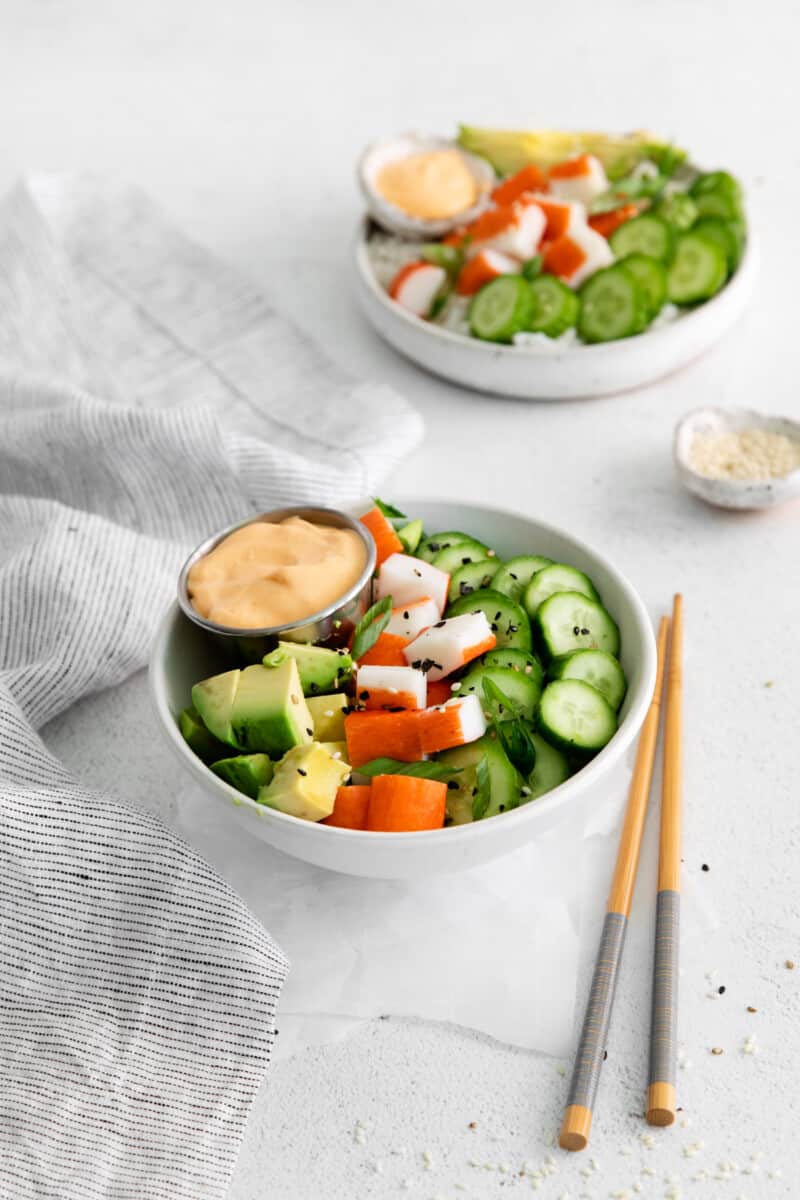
(483, 268)
(577, 255)
(391, 687)
(386, 540)
(407, 620)
(387, 652)
(407, 579)
(416, 287)
(439, 691)
(514, 229)
(382, 735)
(562, 216)
(455, 723)
(350, 807)
(581, 178)
(406, 804)
(529, 179)
(450, 644)
(605, 223)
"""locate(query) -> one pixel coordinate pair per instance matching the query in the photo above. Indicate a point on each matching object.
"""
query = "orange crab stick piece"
(529, 179)
(482, 269)
(439, 691)
(387, 652)
(382, 735)
(350, 807)
(406, 804)
(577, 255)
(391, 687)
(561, 215)
(605, 223)
(386, 540)
(455, 723)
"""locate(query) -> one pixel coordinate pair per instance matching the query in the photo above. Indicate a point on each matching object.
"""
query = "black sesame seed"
(576, 629)
(300, 771)
(314, 687)
(721, 989)
(438, 625)
(418, 573)
(584, 632)
(605, 1055)
(406, 615)
(346, 709)
(497, 616)
(434, 546)
(502, 808)
(474, 791)
(453, 785)
(363, 695)
(310, 732)
(417, 663)
(705, 867)
(493, 627)
(513, 576)
(466, 560)
(394, 708)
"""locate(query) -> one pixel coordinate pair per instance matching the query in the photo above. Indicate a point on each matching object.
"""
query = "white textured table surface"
(244, 119)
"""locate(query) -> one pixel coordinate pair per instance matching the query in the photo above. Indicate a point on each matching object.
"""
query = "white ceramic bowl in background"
(553, 372)
(733, 493)
(183, 654)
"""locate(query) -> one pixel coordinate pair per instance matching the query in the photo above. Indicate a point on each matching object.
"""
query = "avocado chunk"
(246, 772)
(269, 712)
(321, 669)
(213, 698)
(197, 737)
(336, 750)
(328, 713)
(305, 783)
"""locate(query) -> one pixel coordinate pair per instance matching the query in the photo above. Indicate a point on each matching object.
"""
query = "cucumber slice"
(556, 306)
(698, 270)
(504, 780)
(430, 546)
(471, 577)
(643, 235)
(532, 267)
(597, 668)
(575, 716)
(570, 621)
(514, 576)
(501, 309)
(451, 558)
(651, 276)
(522, 690)
(508, 620)
(551, 769)
(410, 536)
(678, 210)
(718, 194)
(728, 235)
(516, 660)
(558, 577)
(613, 305)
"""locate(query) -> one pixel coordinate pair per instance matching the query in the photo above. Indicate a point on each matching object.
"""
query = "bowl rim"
(550, 801)
(582, 351)
(205, 547)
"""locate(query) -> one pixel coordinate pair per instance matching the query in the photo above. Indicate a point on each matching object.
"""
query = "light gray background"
(244, 119)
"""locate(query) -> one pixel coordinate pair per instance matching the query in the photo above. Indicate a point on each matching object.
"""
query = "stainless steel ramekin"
(332, 624)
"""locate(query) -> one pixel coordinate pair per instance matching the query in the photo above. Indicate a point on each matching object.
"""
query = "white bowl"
(183, 653)
(388, 215)
(552, 371)
(733, 493)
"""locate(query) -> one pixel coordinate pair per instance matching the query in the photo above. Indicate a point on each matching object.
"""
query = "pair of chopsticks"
(663, 1029)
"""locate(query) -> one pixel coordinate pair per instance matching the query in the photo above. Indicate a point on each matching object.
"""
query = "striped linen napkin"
(148, 395)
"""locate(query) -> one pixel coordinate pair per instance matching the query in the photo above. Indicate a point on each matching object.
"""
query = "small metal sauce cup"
(331, 625)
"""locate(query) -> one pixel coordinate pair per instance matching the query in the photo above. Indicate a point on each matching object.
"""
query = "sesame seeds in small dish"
(738, 458)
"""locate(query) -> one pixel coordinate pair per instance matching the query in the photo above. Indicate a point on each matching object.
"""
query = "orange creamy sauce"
(431, 186)
(267, 574)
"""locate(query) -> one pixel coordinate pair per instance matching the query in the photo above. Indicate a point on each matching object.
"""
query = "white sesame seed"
(757, 1156)
(595, 1165)
(504, 1169)
(427, 1160)
(648, 1171)
(685, 1123)
(626, 1151)
(561, 1070)
(774, 1174)
(550, 1140)
(586, 1172)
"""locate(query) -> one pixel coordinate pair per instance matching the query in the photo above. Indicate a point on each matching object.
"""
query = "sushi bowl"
(183, 653)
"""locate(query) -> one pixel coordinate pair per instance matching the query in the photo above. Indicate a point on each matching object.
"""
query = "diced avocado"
(197, 737)
(336, 749)
(214, 698)
(305, 783)
(321, 670)
(328, 715)
(411, 536)
(246, 772)
(269, 712)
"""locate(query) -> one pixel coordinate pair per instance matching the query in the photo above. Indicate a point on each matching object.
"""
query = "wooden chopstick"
(664, 1019)
(577, 1120)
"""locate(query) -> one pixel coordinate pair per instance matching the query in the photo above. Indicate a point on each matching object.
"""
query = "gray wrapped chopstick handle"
(664, 1019)
(589, 1061)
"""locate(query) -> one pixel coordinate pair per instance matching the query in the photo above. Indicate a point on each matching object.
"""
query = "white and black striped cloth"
(137, 993)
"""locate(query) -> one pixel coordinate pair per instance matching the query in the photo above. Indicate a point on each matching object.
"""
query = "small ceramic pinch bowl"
(734, 493)
(388, 215)
(332, 624)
